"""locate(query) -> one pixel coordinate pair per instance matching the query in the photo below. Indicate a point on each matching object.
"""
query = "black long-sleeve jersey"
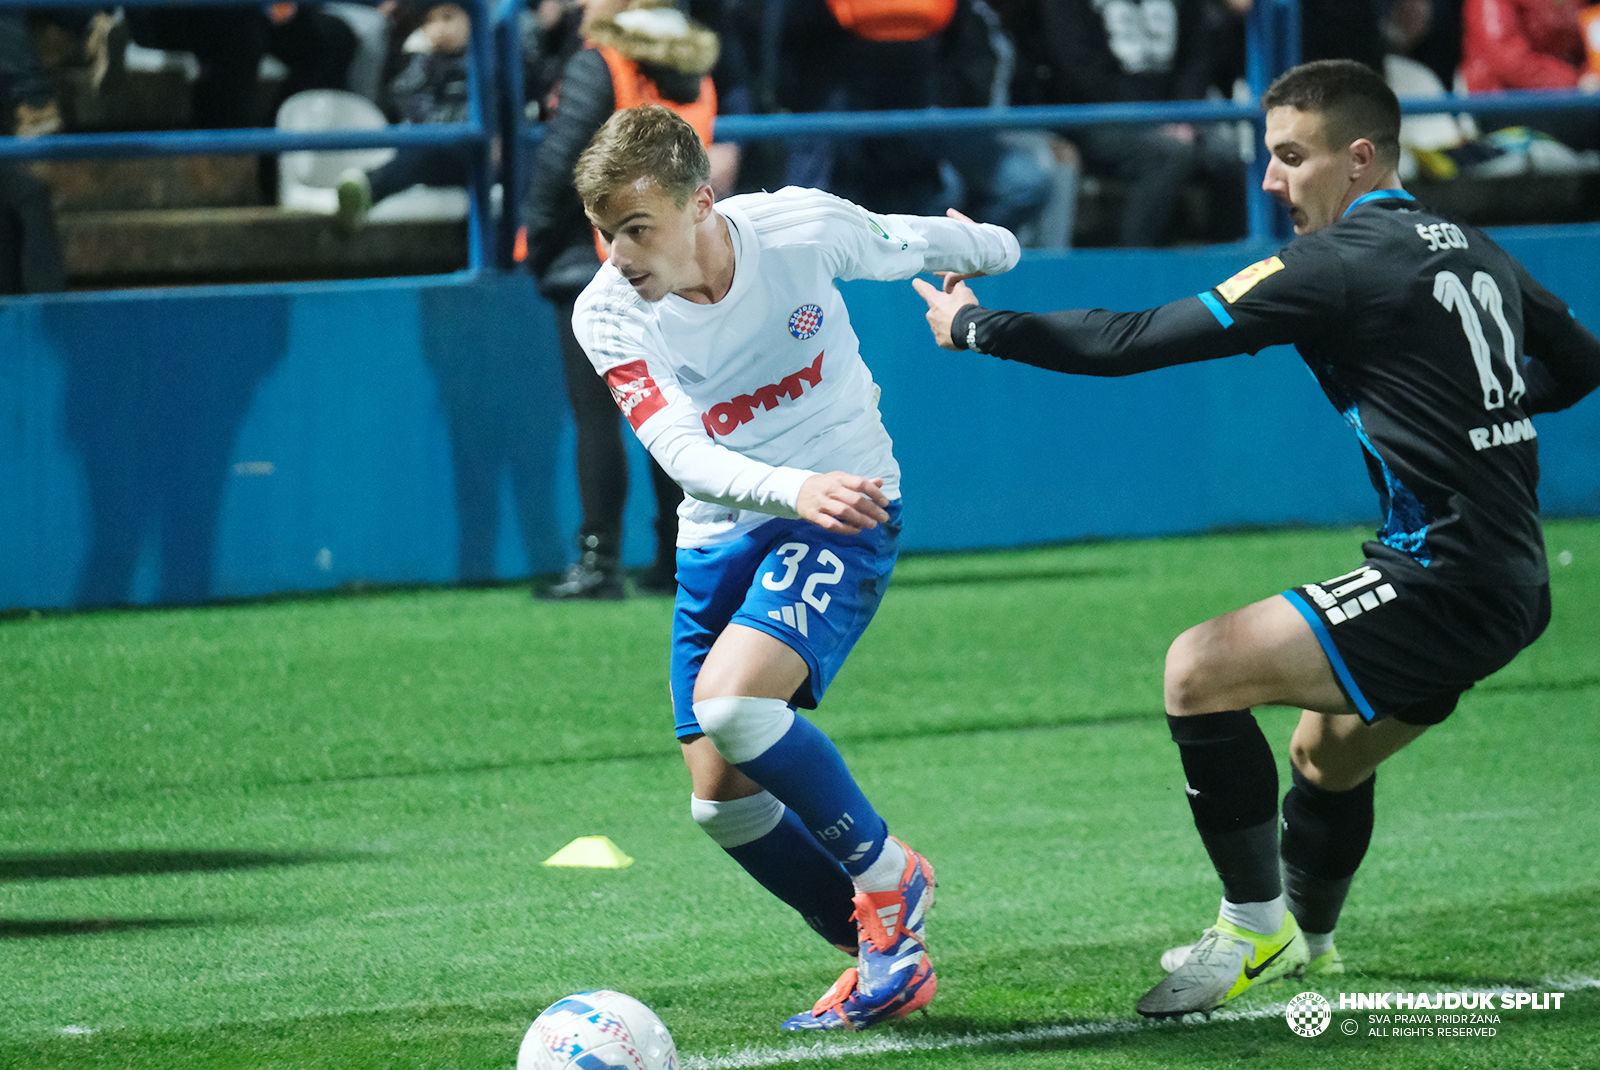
(1434, 343)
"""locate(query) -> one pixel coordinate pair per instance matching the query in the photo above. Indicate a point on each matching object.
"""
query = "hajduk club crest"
(805, 321)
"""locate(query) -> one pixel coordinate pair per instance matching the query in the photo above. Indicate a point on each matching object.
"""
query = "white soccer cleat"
(1225, 962)
(1330, 961)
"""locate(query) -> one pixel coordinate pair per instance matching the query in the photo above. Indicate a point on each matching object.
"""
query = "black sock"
(1233, 793)
(1325, 837)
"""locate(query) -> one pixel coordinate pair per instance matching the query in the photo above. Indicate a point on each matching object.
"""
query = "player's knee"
(1303, 748)
(736, 822)
(1184, 681)
(743, 728)
(1326, 762)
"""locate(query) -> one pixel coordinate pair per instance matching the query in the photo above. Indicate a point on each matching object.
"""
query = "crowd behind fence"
(496, 136)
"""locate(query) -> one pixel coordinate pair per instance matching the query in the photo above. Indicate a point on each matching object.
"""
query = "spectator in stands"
(551, 34)
(754, 165)
(229, 41)
(1427, 31)
(314, 45)
(821, 65)
(1225, 42)
(1343, 29)
(1530, 44)
(432, 88)
(1023, 180)
(1146, 50)
(1523, 44)
(1337, 29)
(30, 250)
(644, 52)
(29, 100)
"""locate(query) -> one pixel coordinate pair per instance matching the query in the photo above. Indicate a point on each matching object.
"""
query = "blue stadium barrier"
(183, 445)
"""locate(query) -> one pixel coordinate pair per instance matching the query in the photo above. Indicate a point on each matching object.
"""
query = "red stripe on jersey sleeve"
(637, 394)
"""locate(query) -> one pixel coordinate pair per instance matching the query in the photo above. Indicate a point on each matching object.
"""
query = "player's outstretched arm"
(843, 503)
(953, 278)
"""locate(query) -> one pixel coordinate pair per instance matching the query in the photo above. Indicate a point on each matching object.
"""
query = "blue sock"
(805, 771)
(790, 863)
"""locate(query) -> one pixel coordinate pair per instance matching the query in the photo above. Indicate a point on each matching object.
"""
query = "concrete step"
(197, 246)
(152, 182)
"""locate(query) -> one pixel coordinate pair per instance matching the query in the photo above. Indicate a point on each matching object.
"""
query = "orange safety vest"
(632, 89)
(893, 20)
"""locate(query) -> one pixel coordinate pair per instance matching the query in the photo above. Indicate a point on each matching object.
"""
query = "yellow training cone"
(591, 852)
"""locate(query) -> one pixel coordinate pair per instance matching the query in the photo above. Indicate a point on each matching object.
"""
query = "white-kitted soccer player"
(722, 333)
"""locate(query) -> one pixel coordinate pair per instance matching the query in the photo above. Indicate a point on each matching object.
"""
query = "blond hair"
(644, 142)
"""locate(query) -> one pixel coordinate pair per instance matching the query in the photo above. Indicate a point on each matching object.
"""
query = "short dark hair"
(1353, 99)
(645, 142)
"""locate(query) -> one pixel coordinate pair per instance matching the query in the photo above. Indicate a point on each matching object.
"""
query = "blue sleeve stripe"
(1216, 308)
(1342, 671)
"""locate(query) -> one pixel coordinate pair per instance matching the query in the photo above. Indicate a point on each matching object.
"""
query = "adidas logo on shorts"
(792, 615)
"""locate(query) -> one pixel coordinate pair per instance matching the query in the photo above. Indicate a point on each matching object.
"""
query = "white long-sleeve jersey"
(743, 400)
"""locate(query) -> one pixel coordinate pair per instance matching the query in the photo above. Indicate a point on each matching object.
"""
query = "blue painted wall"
(184, 445)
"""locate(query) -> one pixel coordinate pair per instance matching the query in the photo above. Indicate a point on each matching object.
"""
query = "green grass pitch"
(309, 834)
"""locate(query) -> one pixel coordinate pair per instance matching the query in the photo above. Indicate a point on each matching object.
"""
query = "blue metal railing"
(495, 112)
(474, 135)
(1272, 46)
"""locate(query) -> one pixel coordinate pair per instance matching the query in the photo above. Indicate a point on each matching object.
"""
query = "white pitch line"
(837, 1047)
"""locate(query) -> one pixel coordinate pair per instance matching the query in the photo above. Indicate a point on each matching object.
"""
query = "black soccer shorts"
(1406, 647)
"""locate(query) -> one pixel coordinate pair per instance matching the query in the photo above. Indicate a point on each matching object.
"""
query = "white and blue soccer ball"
(601, 1030)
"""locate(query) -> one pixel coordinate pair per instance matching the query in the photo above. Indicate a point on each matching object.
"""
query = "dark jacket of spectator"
(1520, 44)
(1146, 50)
(561, 252)
(1124, 50)
(432, 88)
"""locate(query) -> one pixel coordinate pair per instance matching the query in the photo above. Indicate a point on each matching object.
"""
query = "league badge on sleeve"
(805, 321)
(1241, 283)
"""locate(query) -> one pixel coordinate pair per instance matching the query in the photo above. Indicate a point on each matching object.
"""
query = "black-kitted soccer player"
(1436, 346)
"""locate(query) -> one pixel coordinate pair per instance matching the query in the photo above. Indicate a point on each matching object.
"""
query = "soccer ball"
(601, 1030)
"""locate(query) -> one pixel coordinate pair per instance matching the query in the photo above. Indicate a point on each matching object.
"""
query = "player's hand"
(843, 503)
(942, 307)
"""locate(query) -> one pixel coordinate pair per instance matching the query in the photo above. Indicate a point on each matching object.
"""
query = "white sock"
(1319, 943)
(1264, 918)
(884, 874)
(738, 821)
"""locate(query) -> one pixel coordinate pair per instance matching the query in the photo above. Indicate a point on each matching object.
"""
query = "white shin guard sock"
(736, 822)
(743, 729)
(1264, 918)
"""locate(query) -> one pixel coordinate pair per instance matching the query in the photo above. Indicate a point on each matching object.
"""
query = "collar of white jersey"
(745, 259)
(1377, 195)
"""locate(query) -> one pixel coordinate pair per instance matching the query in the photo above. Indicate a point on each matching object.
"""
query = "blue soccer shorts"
(812, 589)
